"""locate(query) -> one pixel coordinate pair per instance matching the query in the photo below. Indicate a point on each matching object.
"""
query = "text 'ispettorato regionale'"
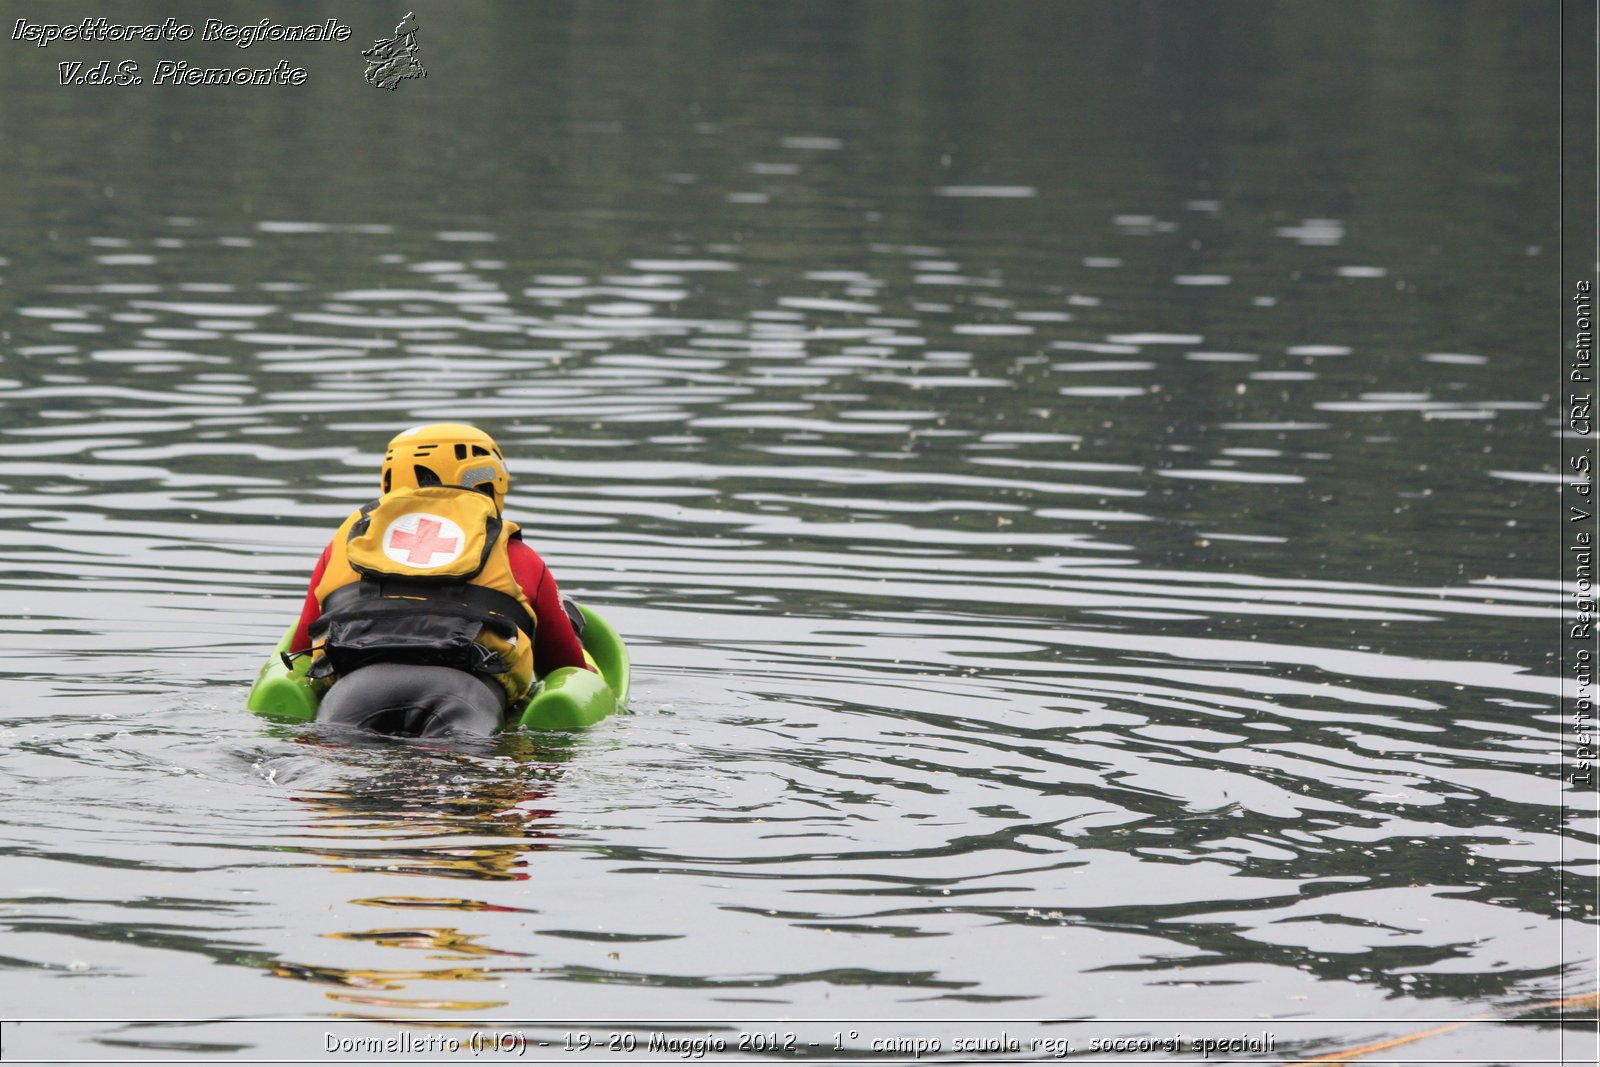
(98, 30)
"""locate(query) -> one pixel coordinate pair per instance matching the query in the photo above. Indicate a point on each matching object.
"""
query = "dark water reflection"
(1077, 480)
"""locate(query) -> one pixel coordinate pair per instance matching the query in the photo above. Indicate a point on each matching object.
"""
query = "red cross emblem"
(424, 543)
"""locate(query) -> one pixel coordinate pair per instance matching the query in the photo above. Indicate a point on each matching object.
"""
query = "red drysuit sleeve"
(555, 645)
(310, 611)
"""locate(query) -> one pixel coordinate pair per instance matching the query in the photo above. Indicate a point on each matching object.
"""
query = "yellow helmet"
(446, 453)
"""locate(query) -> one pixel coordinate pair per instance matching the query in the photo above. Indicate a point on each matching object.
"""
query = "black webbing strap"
(375, 597)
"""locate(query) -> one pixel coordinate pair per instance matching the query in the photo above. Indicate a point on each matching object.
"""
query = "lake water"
(1078, 481)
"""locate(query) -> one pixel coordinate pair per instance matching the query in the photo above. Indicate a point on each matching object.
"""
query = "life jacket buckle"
(289, 657)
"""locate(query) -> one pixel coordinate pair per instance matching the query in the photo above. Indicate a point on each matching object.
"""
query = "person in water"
(427, 612)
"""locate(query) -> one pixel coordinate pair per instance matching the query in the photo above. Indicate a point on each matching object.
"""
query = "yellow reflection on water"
(365, 978)
(428, 814)
(433, 903)
(392, 821)
(489, 863)
(404, 1004)
(442, 943)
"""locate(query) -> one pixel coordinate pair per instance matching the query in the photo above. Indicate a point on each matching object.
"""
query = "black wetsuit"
(406, 700)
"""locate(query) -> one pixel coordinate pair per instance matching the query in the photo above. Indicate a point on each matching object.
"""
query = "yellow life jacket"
(422, 575)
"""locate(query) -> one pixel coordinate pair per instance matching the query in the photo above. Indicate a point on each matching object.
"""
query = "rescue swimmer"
(427, 613)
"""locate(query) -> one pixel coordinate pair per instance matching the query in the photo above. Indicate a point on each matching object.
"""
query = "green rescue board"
(568, 698)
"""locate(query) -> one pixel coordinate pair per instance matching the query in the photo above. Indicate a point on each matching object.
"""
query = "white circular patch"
(424, 541)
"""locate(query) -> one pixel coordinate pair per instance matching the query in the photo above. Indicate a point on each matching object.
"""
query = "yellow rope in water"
(1587, 1000)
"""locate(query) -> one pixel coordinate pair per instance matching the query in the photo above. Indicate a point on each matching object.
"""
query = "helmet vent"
(461, 451)
(388, 479)
(425, 477)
